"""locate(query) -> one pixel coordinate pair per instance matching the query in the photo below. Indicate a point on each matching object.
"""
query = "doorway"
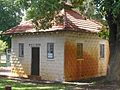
(35, 61)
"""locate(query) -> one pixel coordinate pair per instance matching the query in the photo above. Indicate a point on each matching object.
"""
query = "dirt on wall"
(75, 69)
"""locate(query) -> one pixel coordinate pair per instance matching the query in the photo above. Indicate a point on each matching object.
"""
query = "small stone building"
(68, 51)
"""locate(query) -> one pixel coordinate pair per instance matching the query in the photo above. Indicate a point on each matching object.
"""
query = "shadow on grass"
(17, 85)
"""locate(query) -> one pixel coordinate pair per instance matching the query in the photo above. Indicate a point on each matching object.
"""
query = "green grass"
(17, 85)
(3, 64)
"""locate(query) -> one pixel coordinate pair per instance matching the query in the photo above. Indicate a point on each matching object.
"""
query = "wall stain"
(81, 69)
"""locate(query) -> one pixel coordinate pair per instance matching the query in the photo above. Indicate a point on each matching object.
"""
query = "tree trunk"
(114, 70)
(114, 64)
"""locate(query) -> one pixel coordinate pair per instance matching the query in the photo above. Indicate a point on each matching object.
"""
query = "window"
(50, 50)
(21, 49)
(102, 49)
(79, 50)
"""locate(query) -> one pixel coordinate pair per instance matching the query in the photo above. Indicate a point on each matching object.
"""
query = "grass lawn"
(17, 85)
(3, 64)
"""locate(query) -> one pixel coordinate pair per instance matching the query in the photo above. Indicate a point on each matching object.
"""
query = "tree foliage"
(42, 12)
(104, 33)
(10, 16)
(3, 46)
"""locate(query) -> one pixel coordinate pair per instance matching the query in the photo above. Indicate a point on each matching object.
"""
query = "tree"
(3, 46)
(10, 16)
(110, 9)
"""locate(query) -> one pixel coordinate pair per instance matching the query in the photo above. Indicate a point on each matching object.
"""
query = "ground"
(27, 84)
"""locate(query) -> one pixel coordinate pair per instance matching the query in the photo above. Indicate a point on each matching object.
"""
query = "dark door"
(35, 61)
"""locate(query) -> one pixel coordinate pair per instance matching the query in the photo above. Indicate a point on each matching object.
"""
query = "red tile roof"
(72, 21)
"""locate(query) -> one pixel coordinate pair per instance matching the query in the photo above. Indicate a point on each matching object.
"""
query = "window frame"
(21, 49)
(49, 50)
(79, 51)
(102, 51)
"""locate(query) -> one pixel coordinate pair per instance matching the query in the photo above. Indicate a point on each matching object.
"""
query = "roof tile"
(72, 21)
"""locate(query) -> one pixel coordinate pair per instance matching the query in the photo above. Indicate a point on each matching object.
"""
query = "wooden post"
(8, 87)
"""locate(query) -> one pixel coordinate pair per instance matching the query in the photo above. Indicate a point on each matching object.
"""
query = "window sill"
(102, 58)
(50, 59)
(80, 59)
(20, 58)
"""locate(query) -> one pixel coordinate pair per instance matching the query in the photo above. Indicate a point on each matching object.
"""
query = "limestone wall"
(91, 65)
(50, 69)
